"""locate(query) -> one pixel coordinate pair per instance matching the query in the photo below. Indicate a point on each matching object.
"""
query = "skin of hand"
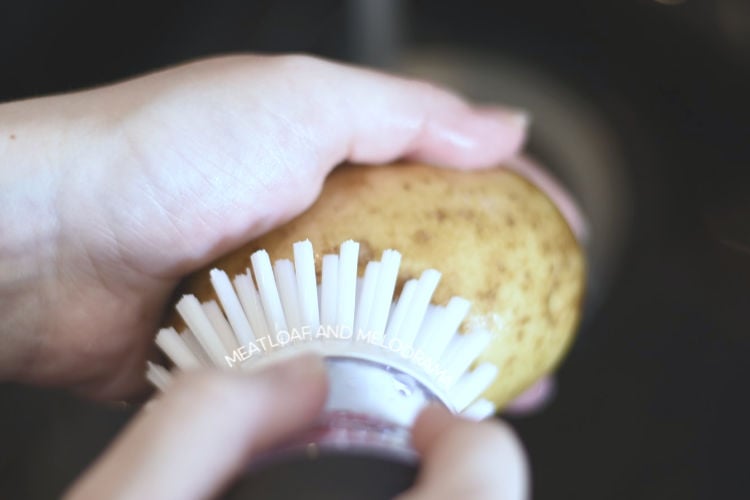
(191, 442)
(468, 460)
(111, 195)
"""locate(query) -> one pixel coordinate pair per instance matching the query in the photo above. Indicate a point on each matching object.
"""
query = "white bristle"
(464, 349)
(471, 385)
(232, 307)
(250, 301)
(381, 303)
(360, 282)
(479, 410)
(348, 261)
(269, 294)
(364, 302)
(307, 286)
(195, 347)
(430, 322)
(287, 297)
(433, 343)
(287, 282)
(432, 311)
(398, 316)
(425, 288)
(158, 376)
(195, 318)
(221, 326)
(450, 351)
(329, 299)
(170, 342)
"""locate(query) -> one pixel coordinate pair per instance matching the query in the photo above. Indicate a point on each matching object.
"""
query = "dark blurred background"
(640, 106)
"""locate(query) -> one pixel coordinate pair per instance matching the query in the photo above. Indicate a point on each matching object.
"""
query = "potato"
(498, 241)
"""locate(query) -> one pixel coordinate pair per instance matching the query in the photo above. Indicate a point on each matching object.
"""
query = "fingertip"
(534, 398)
(506, 446)
(201, 431)
(555, 191)
(430, 423)
(300, 370)
(468, 459)
(302, 379)
(473, 138)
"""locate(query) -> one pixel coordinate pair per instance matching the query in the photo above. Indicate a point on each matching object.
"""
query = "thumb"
(200, 434)
(468, 460)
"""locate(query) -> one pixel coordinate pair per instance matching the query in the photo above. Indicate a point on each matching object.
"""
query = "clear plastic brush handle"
(360, 443)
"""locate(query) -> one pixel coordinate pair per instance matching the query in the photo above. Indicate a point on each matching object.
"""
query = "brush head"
(387, 357)
(498, 241)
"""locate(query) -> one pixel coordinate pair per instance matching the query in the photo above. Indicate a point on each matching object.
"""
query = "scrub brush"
(387, 357)
(284, 311)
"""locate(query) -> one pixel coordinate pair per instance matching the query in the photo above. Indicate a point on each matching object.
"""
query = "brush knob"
(360, 445)
(332, 475)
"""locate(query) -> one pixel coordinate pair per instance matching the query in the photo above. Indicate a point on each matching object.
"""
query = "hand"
(199, 435)
(468, 460)
(111, 195)
(194, 439)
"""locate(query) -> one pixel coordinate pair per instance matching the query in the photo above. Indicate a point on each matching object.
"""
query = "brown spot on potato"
(366, 253)
(551, 316)
(420, 237)
(466, 213)
(401, 280)
(538, 343)
(489, 294)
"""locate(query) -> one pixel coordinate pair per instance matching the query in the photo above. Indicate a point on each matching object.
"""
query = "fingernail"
(437, 412)
(534, 398)
(520, 119)
(297, 370)
(517, 118)
(437, 408)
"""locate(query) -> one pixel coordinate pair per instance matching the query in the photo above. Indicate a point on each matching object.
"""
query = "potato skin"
(498, 241)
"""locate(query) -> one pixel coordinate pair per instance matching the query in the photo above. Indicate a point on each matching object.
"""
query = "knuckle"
(432, 91)
(298, 62)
